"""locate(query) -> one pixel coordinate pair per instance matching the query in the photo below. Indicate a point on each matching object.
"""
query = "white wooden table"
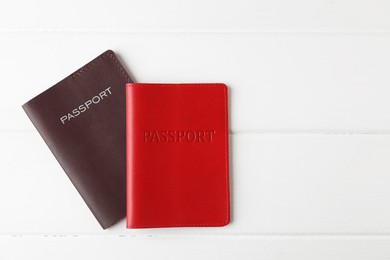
(309, 119)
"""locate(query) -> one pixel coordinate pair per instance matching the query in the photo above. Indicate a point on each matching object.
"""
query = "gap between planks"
(258, 132)
(200, 31)
(264, 236)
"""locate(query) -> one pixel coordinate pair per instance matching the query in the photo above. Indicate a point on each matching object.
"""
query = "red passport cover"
(177, 155)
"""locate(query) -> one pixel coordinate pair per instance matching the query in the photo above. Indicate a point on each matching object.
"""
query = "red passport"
(177, 155)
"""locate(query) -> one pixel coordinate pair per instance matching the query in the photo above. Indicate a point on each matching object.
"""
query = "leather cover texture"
(82, 121)
(177, 155)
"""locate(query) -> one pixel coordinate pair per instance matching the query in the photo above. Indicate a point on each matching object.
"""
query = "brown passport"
(82, 121)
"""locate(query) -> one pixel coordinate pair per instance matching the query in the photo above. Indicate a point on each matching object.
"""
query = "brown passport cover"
(82, 121)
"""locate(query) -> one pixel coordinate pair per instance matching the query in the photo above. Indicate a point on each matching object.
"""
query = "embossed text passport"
(82, 121)
(177, 155)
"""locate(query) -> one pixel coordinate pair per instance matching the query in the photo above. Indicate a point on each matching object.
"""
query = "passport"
(177, 158)
(82, 120)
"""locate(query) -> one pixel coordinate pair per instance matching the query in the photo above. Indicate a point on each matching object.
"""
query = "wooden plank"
(281, 184)
(277, 82)
(200, 247)
(277, 15)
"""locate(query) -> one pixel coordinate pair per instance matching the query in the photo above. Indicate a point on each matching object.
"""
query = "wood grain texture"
(280, 184)
(277, 82)
(216, 15)
(198, 247)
